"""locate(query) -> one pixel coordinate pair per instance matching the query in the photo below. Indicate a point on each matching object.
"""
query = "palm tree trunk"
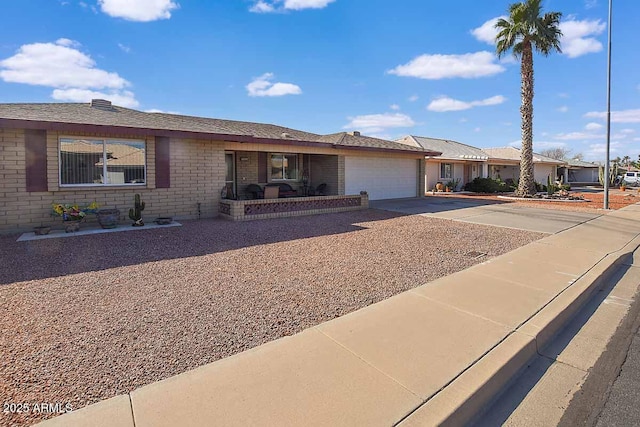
(527, 186)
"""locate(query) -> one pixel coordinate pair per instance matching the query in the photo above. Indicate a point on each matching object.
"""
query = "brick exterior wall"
(197, 176)
(324, 169)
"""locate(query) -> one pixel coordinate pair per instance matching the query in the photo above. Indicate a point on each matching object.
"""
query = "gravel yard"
(89, 317)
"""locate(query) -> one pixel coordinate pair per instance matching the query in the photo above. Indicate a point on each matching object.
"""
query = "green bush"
(487, 185)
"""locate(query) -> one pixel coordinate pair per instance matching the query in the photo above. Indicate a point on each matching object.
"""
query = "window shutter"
(36, 160)
(262, 167)
(163, 162)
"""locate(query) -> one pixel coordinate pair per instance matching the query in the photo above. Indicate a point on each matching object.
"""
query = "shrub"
(487, 185)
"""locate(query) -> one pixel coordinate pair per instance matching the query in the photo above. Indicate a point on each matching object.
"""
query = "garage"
(381, 177)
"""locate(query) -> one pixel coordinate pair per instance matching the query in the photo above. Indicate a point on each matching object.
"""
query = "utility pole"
(607, 165)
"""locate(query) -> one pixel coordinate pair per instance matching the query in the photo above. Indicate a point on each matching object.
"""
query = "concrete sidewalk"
(435, 354)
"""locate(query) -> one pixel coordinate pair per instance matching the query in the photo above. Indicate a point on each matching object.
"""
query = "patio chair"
(320, 190)
(271, 192)
(255, 191)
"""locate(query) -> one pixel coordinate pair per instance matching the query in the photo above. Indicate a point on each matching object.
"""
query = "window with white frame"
(284, 167)
(446, 170)
(97, 161)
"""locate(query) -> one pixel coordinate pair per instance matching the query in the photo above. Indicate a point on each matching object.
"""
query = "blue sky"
(386, 68)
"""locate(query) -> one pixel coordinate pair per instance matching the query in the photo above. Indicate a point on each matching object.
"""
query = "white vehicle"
(631, 178)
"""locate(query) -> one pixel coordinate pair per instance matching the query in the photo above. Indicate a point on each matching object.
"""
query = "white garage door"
(382, 178)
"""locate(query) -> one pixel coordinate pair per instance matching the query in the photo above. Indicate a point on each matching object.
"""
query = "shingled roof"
(513, 154)
(450, 150)
(102, 116)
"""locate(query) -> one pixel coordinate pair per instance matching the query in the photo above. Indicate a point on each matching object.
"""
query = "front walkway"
(435, 354)
(509, 215)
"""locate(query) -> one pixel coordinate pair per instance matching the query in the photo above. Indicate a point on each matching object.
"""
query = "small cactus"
(135, 214)
(551, 185)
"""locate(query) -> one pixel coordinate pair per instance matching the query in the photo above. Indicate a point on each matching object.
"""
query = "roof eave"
(136, 131)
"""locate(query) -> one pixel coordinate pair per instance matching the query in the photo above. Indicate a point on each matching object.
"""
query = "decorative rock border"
(535, 199)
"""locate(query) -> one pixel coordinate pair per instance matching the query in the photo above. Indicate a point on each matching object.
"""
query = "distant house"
(182, 166)
(456, 161)
(504, 163)
(579, 172)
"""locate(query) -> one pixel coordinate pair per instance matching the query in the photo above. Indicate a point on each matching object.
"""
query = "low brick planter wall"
(246, 210)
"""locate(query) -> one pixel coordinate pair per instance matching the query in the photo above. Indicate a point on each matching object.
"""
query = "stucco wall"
(541, 173)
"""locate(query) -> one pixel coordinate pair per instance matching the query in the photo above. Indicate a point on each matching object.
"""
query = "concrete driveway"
(488, 212)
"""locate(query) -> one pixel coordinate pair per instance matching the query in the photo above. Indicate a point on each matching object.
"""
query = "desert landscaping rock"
(87, 318)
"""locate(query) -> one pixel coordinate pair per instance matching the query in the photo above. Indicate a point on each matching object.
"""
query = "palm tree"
(524, 31)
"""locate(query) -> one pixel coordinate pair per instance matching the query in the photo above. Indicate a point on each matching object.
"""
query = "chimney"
(102, 104)
(355, 133)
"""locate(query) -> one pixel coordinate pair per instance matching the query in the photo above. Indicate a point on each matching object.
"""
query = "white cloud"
(445, 103)
(155, 110)
(413, 98)
(487, 32)
(543, 145)
(577, 136)
(627, 131)
(378, 123)
(623, 116)
(394, 107)
(593, 126)
(590, 4)
(262, 7)
(72, 73)
(306, 4)
(578, 37)
(67, 43)
(477, 129)
(124, 48)
(122, 98)
(597, 150)
(138, 10)
(270, 6)
(57, 65)
(263, 86)
(435, 67)
(563, 109)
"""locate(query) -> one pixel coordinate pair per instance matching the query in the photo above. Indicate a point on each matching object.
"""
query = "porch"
(250, 173)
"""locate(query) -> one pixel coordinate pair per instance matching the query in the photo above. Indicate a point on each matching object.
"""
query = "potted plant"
(73, 215)
(42, 230)
(108, 218)
(439, 186)
(453, 184)
(623, 186)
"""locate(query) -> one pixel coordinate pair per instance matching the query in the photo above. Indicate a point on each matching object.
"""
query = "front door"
(230, 176)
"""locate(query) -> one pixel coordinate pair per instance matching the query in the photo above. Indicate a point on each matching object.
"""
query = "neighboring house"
(579, 172)
(456, 161)
(78, 153)
(504, 163)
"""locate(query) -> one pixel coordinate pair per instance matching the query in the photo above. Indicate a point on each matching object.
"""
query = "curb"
(469, 395)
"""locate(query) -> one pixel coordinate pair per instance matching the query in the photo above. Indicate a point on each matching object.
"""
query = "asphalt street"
(622, 408)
